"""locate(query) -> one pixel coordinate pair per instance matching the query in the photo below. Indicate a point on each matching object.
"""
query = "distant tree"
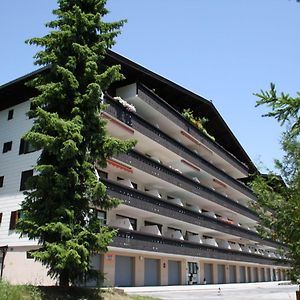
(279, 196)
(68, 128)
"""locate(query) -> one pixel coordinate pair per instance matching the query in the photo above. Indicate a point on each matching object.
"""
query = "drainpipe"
(3, 249)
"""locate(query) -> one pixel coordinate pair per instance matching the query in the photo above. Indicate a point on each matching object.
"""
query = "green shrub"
(18, 292)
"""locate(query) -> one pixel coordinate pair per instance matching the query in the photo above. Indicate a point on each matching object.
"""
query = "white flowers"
(128, 106)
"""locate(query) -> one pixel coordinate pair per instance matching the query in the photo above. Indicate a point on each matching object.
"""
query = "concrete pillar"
(139, 270)
(109, 260)
(183, 269)
(215, 272)
(227, 275)
(201, 271)
(164, 271)
(238, 274)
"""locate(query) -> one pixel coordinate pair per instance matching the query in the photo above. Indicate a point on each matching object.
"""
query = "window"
(14, 217)
(26, 147)
(10, 114)
(131, 220)
(1, 181)
(100, 215)
(1, 214)
(24, 177)
(7, 146)
(102, 174)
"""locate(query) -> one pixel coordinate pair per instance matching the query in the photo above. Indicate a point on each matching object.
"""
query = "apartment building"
(185, 216)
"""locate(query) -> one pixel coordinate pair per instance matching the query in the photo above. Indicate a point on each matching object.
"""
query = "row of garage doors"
(124, 271)
(252, 276)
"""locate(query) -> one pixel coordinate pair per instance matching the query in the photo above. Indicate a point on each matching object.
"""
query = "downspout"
(4, 251)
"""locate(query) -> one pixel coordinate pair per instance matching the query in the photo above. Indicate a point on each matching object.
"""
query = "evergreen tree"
(279, 195)
(71, 134)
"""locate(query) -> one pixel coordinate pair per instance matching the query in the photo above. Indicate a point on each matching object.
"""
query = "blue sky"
(222, 50)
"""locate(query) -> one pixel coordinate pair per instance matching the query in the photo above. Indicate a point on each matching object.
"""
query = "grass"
(18, 292)
(28, 292)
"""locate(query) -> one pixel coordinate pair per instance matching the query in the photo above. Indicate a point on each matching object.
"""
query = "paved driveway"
(248, 291)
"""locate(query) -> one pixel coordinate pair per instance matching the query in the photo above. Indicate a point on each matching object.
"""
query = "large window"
(1, 181)
(14, 217)
(100, 215)
(24, 177)
(26, 147)
(7, 146)
(10, 114)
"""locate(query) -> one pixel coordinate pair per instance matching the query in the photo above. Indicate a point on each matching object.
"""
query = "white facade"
(206, 189)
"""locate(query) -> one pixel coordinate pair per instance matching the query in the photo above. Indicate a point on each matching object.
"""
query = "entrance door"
(124, 271)
(151, 272)
(192, 273)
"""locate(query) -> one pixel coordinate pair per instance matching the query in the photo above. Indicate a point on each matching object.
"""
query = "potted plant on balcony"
(198, 122)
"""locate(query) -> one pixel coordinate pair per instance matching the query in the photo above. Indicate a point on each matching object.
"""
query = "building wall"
(18, 268)
(12, 164)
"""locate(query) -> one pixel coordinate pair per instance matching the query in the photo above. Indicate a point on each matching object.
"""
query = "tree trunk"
(64, 279)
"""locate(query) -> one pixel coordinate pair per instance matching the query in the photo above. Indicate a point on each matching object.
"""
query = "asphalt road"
(226, 292)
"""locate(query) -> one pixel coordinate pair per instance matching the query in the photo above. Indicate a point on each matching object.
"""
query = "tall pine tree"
(71, 135)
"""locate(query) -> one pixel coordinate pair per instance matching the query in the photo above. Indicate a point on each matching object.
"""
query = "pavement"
(282, 290)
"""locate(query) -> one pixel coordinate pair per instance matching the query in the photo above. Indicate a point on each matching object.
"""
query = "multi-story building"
(185, 216)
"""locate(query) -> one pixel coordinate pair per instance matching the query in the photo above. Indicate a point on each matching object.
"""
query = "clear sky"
(222, 50)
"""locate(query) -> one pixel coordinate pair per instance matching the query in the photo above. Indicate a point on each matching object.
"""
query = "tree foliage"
(279, 195)
(69, 130)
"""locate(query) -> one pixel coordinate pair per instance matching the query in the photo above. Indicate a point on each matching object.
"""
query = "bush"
(18, 292)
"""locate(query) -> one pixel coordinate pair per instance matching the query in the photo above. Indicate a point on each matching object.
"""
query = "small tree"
(279, 196)
(69, 130)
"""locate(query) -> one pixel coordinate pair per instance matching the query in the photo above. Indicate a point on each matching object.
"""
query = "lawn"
(27, 292)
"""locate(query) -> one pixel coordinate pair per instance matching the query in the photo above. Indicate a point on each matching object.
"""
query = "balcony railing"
(166, 141)
(145, 201)
(152, 99)
(167, 174)
(146, 242)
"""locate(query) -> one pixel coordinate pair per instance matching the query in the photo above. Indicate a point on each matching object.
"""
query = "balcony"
(163, 208)
(127, 239)
(171, 176)
(135, 123)
(152, 107)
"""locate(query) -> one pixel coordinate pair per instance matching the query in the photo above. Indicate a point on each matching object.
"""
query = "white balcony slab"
(196, 238)
(176, 201)
(122, 223)
(153, 229)
(154, 193)
(126, 182)
(174, 234)
(210, 241)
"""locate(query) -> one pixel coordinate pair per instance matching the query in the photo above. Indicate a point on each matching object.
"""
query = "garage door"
(208, 273)
(221, 274)
(232, 274)
(242, 274)
(95, 265)
(124, 271)
(249, 274)
(151, 269)
(174, 272)
(255, 274)
(262, 275)
(268, 274)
